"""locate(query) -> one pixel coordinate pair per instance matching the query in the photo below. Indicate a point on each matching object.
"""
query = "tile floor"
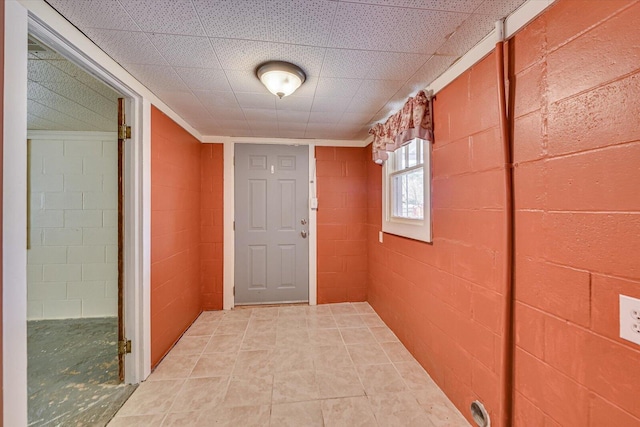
(329, 365)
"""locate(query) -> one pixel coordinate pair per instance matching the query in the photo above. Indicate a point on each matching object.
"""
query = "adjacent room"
(326, 213)
(72, 253)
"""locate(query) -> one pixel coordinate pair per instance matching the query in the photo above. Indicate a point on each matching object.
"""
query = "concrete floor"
(335, 365)
(73, 372)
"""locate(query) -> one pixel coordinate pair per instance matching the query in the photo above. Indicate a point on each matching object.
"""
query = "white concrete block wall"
(72, 261)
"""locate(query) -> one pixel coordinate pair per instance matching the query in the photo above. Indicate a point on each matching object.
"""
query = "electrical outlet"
(630, 319)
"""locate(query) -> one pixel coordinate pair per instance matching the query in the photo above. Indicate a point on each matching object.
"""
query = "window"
(406, 191)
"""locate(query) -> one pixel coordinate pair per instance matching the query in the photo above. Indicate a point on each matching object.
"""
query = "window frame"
(417, 229)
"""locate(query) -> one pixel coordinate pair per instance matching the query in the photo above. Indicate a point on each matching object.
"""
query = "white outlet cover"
(630, 319)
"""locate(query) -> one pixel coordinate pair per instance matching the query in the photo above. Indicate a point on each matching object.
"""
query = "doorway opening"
(271, 224)
(75, 316)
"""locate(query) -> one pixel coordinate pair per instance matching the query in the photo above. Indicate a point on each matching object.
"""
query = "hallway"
(327, 365)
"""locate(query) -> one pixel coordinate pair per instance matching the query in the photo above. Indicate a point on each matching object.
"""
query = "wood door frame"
(229, 213)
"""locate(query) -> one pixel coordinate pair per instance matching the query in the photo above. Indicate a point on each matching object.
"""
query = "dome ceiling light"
(280, 78)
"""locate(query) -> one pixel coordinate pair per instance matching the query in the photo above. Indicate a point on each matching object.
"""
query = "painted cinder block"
(61, 272)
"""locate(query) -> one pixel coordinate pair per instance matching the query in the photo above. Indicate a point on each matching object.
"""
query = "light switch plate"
(630, 319)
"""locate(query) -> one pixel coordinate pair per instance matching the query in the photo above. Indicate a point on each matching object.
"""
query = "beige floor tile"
(321, 322)
(398, 410)
(319, 310)
(214, 365)
(253, 362)
(224, 343)
(341, 382)
(241, 416)
(198, 394)
(357, 336)
(180, 419)
(152, 397)
(232, 327)
(439, 409)
(414, 375)
(298, 414)
(372, 320)
(340, 309)
(237, 314)
(292, 337)
(203, 327)
(174, 367)
(331, 357)
(349, 321)
(293, 310)
(294, 386)
(380, 379)
(258, 325)
(287, 359)
(211, 315)
(325, 336)
(265, 313)
(396, 352)
(348, 412)
(383, 334)
(190, 345)
(363, 307)
(367, 354)
(259, 341)
(254, 390)
(136, 420)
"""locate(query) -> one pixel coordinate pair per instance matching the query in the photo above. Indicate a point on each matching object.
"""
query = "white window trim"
(412, 229)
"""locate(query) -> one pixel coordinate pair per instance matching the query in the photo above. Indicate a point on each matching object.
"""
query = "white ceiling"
(63, 97)
(362, 58)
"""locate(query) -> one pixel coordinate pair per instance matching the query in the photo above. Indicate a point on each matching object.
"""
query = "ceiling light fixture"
(280, 78)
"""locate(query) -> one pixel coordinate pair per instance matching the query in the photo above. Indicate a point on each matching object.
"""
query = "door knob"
(303, 233)
(303, 221)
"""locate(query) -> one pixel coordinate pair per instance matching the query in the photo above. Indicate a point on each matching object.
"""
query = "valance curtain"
(414, 120)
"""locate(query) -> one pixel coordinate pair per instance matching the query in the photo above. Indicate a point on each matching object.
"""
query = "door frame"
(19, 22)
(229, 215)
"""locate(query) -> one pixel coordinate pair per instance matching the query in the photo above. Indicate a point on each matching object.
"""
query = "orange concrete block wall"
(176, 297)
(342, 214)
(575, 97)
(211, 217)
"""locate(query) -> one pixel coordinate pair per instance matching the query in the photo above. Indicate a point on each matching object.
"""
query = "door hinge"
(124, 347)
(234, 291)
(234, 226)
(124, 132)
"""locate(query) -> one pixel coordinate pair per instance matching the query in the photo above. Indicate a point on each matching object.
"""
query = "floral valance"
(414, 120)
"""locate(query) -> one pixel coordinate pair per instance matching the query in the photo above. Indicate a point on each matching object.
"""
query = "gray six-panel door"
(271, 224)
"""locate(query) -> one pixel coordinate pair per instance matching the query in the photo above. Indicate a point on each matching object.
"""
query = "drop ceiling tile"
(293, 127)
(337, 88)
(241, 54)
(292, 134)
(324, 118)
(378, 88)
(85, 78)
(287, 117)
(165, 16)
(95, 14)
(126, 46)
(184, 103)
(369, 27)
(245, 81)
(233, 19)
(231, 123)
(260, 114)
(308, 58)
(212, 99)
(157, 77)
(429, 29)
(356, 118)
(468, 35)
(204, 79)
(294, 103)
(185, 51)
(396, 66)
(369, 106)
(238, 133)
(85, 97)
(431, 70)
(256, 100)
(499, 8)
(451, 5)
(348, 63)
(300, 22)
(333, 105)
(38, 123)
(221, 114)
